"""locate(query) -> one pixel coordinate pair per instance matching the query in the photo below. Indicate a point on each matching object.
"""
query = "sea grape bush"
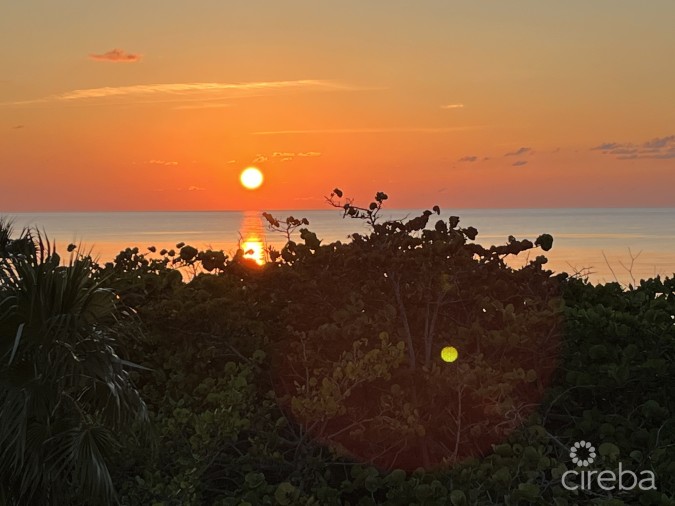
(358, 359)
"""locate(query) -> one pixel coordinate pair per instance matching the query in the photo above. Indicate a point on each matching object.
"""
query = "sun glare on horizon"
(251, 178)
(254, 249)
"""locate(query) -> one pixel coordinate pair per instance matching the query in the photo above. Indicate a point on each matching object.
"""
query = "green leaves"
(609, 450)
(285, 494)
(17, 341)
(651, 409)
(254, 480)
(65, 389)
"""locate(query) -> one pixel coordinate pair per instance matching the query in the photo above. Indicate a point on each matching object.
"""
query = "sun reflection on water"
(252, 234)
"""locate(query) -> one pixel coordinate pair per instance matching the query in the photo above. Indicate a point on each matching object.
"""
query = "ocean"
(606, 245)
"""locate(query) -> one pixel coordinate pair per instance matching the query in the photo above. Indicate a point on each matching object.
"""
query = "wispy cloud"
(195, 189)
(259, 158)
(452, 106)
(286, 156)
(180, 91)
(518, 152)
(659, 148)
(204, 105)
(519, 163)
(660, 142)
(468, 159)
(368, 130)
(281, 154)
(117, 56)
(165, 163)
(605, 146)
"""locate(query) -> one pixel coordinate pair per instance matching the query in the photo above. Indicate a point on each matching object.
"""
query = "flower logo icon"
(579, 449)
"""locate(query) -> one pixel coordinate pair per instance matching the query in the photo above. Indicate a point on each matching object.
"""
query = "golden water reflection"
(252, 237)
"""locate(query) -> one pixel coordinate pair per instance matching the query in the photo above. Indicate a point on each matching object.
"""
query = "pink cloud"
(116, 55)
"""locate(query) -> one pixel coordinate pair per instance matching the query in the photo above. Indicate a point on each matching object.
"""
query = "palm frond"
(63, 388)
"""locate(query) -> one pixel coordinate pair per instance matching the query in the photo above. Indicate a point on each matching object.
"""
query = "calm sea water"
(600, 242)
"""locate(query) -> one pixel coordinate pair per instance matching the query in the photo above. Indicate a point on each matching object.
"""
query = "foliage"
(65, 393)
(359, 359)
(285, 384)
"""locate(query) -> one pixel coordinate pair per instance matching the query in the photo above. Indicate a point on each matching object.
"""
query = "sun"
(251, 178)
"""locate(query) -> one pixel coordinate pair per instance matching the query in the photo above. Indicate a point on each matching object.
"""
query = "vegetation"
(65, 393)
(317, 378)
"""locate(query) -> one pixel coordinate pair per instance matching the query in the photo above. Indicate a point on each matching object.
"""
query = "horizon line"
(75, 211)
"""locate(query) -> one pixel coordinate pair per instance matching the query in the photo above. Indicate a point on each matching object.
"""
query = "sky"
(159, 105)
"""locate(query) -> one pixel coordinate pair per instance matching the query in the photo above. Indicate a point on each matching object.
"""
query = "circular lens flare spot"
(449, 354)
(251, 178)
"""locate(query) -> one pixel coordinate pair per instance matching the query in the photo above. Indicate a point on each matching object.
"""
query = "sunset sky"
(159, 105)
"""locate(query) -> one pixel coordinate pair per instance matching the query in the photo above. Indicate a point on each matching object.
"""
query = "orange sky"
(160, 105)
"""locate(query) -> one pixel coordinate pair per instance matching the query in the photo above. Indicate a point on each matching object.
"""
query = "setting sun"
(251, 178)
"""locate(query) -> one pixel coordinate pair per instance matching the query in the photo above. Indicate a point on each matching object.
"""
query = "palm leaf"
(63, 389)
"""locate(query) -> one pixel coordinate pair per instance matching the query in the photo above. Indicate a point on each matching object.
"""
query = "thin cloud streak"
(116, 56)
(163, 162)
(468, 159)
(369, 130)
(519, 152)
(179, 90)
(659, 148)
(209, 105)
(452, 106)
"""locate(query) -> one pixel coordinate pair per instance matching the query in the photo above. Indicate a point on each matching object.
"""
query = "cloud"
(18, 127)
(658, 148)
(195, 189)
(605, 146)
(624, 151)
(369, 130)
(519, 163)
(162, 162)
(116, 55)
(452, 106)
(180, 91)
(468, 159)
(660, 142)
(205, 105)
(519, 152)
(287, 156)
(259, 158)
(278, 154)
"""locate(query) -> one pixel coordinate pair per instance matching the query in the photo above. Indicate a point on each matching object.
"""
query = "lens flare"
(449, 354)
